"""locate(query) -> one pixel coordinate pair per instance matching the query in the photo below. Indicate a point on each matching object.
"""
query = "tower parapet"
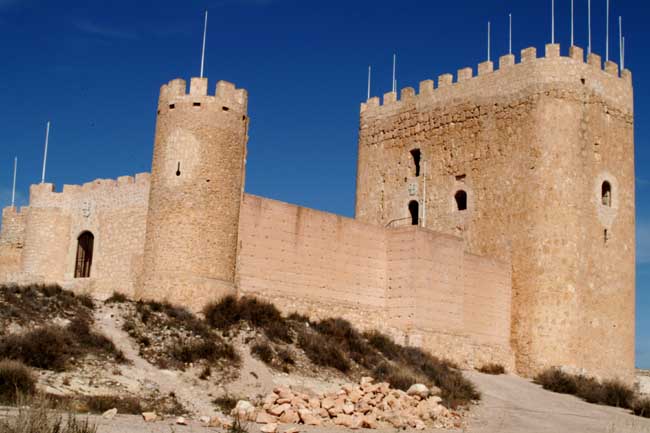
(551, 68)
(197, 182)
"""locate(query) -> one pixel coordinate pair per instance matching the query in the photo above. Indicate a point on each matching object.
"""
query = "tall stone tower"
(196, 190)
(531, 163)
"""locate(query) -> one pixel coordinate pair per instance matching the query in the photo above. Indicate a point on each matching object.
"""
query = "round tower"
(197, 182)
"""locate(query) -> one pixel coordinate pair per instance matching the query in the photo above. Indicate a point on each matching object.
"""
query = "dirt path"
(515, 405)
(197, 399)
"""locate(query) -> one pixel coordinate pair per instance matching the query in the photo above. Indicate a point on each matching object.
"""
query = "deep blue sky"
(94, 69)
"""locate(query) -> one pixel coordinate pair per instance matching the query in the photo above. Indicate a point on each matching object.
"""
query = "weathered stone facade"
(529, 149)
(533, 261)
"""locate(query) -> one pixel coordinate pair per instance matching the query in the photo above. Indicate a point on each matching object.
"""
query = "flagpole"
(13, 189)
(620, 41)
(510, 34)
(394, 66)
(47, 139)
(205, 32)
(369, 72)
(488, 44)
(572, 25)
(607, 35)
(552, 21)
(589, 24)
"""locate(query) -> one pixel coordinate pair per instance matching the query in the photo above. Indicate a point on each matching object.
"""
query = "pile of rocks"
(364, 405)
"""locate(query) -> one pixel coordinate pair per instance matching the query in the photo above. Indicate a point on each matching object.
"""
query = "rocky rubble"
(365, 405)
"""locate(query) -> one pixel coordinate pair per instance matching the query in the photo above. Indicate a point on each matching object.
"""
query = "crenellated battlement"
(45, 194)
(175, 95)
(511, 76)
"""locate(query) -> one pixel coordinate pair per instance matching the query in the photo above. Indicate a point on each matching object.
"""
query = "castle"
(495, 218)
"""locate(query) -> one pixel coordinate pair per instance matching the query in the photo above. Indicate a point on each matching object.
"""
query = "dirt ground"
(510, 405)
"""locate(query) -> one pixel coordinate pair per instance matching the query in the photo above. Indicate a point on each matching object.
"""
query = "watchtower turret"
(196, 189)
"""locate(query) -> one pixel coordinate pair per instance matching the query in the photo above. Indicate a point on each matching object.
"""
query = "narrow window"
(178, 169)
(84, 255)
(415, 153)
(461, 200)
(172, 106)
(606, 194)
(196, 104)
(414, 209)
(225, 108)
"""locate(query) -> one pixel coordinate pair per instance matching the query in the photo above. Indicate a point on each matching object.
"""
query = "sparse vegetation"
(263, 351)
(608, 393)
(226, 403)
(37, 418)
(16, 380)
(33, 304)
(495, 369)
(642, 407)
(238, 427)
(117, 298)
(53, 347)
(260, 314)
(173, 337)
(323, 352)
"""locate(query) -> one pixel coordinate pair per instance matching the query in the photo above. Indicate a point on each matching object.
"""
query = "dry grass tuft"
(39, 419)
(16, 380)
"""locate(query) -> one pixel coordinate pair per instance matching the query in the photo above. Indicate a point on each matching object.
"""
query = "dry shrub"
(117, 298)
(226, 403)
(261, 314)
(342, 334)
(609, 393)
(15, 380)
(642, 407)
(52, 348)
(495, 369)
(397, 377)
(263, 351)
(37, 418)
(209, 350)
(323, 351)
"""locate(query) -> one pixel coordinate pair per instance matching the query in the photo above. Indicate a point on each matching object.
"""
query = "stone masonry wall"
(417, 285)
(12, 240)
(197, 183)
(531, 145)
(113, 211)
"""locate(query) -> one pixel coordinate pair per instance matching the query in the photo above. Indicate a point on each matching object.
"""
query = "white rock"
(269, 428)
(181, 421)
(110, 414)
(149, 416)
(419, 390)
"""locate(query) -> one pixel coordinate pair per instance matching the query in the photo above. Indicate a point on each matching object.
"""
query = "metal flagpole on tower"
(553, 21)
(205, 32)
(47, 139)
(620, 41)
(369, 72)
(394, 66)
(572, 25)
(623, 59)
(510, 34)
(607, 35)
(13, 189)
(488, 45)
(589, 25)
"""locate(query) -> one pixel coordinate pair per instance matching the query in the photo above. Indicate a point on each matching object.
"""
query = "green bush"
(16, 380)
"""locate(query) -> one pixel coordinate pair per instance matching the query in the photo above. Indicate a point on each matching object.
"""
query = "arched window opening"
(415, 153)
(414, 209)
(461, 200)
(606, 194)
(84, 255)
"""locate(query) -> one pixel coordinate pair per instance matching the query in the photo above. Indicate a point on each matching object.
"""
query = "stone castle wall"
(12, 240)
(114, 211)
(419, 286)
(530, 144)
